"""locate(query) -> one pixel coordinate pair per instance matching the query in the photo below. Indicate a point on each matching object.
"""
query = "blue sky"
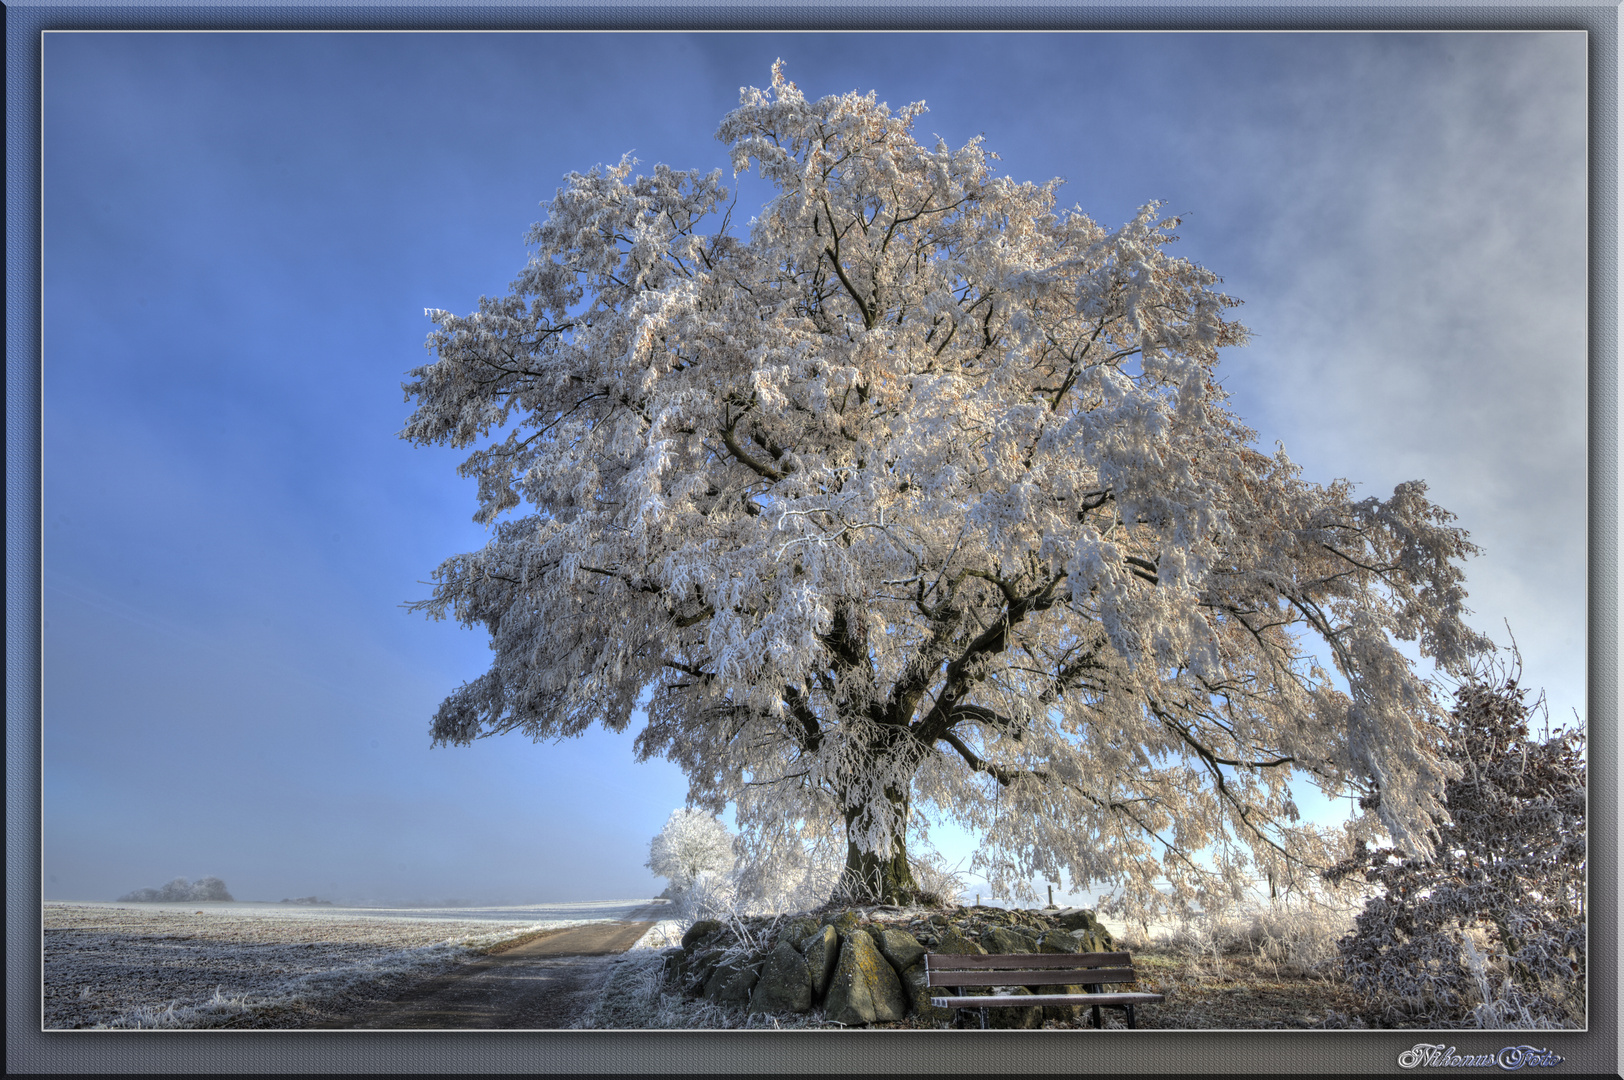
(241, 232)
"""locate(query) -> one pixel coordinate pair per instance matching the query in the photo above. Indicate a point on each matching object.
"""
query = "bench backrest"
(1029, 969)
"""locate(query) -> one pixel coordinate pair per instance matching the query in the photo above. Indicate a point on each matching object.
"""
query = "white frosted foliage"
(691, 843)
(923, 496)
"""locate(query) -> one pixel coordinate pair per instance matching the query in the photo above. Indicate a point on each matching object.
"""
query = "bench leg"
(1098, 1020)
(983, 1018)
(1130, 1016)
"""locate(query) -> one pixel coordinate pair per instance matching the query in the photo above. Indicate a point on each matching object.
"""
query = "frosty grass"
(205, 965)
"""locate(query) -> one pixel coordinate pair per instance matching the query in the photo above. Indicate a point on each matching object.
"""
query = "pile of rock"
(866, 965)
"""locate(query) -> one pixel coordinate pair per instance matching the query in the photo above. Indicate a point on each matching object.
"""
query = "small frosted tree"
(923, 496)
(691, 843)
(1508, 872)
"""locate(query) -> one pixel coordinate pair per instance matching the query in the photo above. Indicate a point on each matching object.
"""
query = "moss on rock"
(901, 949)
(1003, 940)
(864, 989)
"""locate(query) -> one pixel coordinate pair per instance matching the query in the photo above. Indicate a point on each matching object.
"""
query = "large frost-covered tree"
(922, 500)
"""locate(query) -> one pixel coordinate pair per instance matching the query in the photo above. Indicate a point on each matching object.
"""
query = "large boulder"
(733, 980)
(919, 995)
(1058, 941)
(797, 930)
(956, 944)
(822, 951)
(1097, 940)
(1002, 940)
(951, 943)
(1062, 1012)
(785, 985)
(695, 973)
(864, 989)
(1086, 929)
(698, 932)
(900, 948)
(1075, 919)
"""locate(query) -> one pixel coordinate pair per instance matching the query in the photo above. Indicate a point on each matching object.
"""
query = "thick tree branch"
(1143, 568)
(761, 468)
(833, 251)
(812, 731)
(643, 587)
(979, 764)
(964, 672)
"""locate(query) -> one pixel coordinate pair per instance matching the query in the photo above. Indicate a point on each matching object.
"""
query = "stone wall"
(866, 965)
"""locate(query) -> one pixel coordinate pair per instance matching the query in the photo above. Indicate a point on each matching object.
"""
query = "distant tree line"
(204, 888)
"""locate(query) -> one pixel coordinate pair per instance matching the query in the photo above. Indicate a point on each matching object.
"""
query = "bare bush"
(1295, 932)
(1299, 933)
(1491, 932)
(939, 884)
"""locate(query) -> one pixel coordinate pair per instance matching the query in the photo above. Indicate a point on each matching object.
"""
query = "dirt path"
(546, 982)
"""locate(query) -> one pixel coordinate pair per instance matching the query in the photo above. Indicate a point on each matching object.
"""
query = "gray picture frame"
(29, 1050)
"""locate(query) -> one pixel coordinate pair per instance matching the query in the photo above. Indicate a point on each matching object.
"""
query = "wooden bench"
(1090, 970)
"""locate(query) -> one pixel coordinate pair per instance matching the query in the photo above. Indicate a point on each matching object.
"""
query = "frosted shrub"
(209, 888)
(708, 896)
(694, 852)
(1298, 933)
(1492, 931)
(179, 889)
(1200, 935)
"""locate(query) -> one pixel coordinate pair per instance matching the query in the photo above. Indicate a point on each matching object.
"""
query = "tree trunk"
(875, 878)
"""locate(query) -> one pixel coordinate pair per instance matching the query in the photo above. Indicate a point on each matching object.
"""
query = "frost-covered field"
(110, 965)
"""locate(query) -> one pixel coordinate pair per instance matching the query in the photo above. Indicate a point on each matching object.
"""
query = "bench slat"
(1016, 977)
(1025, 961)
(1001, 1000)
